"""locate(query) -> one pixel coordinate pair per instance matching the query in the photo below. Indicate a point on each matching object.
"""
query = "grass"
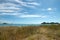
(44, 32)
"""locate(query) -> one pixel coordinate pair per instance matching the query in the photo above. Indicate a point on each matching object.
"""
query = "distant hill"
(3, 23)
(50, 23)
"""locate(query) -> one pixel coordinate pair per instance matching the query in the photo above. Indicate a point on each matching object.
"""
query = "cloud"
(49, 9)
(24, 15)
(9, 7)
(7, 11)
(7, 4)
(27, 4)
(33, 3)
(32, 16)
(13, 14)
(30, 0)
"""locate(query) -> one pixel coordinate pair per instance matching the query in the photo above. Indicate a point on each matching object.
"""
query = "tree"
(52, 23)
(43, 23)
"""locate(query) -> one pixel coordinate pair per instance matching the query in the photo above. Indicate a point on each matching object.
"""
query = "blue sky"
(29, 11)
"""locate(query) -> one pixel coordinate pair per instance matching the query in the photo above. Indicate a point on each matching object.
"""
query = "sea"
(19, 24)
(25, 24)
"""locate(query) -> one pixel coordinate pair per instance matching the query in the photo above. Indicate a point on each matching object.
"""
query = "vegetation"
(50, 23)
(4, 23)
(44, 32)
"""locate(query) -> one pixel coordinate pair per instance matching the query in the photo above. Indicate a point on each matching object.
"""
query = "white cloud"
(32, 16)
(9, 7)
(33, 3)
(21, 2)
(30, 0)
(49, 9)
(7, 11)
(7, 4)
(25, 15)
(13, 14)
(27, 4)
(13, 9)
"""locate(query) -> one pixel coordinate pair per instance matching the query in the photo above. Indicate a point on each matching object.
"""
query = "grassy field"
(44, 32)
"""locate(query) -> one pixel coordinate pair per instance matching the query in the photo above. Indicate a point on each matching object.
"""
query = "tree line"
(50, 23)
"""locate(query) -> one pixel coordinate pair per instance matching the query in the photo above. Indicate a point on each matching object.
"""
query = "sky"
(29, 11)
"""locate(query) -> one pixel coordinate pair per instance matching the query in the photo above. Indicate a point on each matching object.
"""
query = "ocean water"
(19, 24)
(26, 24)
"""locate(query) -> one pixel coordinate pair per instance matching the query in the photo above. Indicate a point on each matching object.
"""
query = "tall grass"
(44, 32)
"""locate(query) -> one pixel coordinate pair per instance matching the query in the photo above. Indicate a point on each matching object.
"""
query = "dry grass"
(51, 32)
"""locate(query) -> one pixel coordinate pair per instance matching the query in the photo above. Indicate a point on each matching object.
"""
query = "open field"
(44, 32)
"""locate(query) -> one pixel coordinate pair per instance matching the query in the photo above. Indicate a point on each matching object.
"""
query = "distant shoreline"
(19, 24)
